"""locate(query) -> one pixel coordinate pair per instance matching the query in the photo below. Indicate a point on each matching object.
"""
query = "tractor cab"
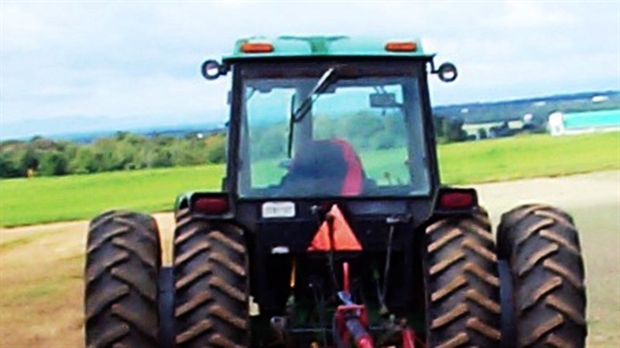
(332, 129)
(329, 117)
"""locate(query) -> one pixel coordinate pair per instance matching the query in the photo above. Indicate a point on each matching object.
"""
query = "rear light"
(457, 199)
(211, 205)
(407, 46)
(256, 47)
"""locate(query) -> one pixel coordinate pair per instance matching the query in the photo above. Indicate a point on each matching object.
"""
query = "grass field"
(39, 200)
(528, 157)
(30, 201)
(41, 267)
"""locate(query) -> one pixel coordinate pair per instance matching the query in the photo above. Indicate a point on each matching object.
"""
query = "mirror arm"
(433, 69)
(443, 70)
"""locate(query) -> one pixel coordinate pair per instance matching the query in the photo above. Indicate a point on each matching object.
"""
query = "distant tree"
(188, 151)
(438, 122)
(269, 142)
(41, 143)
(384, 140)
(83, 162)
(453, 129)
(29, 160)
(216, 148)
(53, 163)
(216, 154)
(122, 151)
(360, 137)
(9, 167)
(159, 157)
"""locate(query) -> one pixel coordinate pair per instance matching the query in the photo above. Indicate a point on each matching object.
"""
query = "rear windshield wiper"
(328, 78)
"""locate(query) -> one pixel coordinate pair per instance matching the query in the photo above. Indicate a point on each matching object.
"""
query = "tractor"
(332, 228)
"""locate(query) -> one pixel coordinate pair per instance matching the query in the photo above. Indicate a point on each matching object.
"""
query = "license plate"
(278, 210)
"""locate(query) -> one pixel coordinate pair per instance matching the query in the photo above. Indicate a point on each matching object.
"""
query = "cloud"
(140, 60)
(532, 15)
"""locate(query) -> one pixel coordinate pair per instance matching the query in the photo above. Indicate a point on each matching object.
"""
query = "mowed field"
(41, 267)
(51, 199)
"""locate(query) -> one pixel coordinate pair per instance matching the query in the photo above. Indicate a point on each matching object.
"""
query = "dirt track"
(41, 266)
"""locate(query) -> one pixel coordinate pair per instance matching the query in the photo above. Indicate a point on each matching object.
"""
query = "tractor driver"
(325, 168)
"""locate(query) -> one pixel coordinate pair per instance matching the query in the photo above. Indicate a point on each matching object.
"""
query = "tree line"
(41, 156)
(365, 130)
(124, 151)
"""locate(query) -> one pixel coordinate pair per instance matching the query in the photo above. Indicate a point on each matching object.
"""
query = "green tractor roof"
(324, 46)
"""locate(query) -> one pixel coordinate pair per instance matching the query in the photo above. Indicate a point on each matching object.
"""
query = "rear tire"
(123, 259)
(541, 245)
(462, 286)
(211, 287)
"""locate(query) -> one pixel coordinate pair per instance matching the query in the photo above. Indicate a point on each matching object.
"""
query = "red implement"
(351, 319)
(408, 338)
(352, 323)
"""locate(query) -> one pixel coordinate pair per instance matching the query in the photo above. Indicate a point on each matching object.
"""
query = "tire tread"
(541, 245)
(462, 283)
(121, 280)
(210, 263)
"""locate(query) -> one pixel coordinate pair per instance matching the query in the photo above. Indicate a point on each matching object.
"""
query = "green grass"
(528, 156)
(30, 201)
(38, 200)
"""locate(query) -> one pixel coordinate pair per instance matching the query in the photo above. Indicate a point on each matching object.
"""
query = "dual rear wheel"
(123, 265)
(543, 279)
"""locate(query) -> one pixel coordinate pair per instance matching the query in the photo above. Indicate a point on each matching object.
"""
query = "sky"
(75, 66)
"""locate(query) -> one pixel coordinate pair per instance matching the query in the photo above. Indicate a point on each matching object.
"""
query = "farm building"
(583, 122)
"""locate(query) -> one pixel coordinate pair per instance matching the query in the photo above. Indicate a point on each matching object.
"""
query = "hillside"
(540, 107)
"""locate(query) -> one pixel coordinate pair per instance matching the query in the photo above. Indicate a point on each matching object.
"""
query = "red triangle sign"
(344, 238)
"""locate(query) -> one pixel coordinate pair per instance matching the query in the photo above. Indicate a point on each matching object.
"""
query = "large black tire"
(211, 286)
(462, 286)
(541, 245)
(123, 260)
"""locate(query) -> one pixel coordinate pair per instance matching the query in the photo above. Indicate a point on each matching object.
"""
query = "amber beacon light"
(401, 46)
(257, 47)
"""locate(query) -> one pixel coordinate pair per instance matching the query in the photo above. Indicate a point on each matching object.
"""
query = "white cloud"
(530, 15)
(141, 59)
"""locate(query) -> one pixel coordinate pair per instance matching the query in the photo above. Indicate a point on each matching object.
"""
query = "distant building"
(556, 123)
(584, 122)
(599, 98)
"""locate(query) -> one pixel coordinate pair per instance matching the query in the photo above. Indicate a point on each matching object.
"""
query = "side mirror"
(447, 72)
(212, 69)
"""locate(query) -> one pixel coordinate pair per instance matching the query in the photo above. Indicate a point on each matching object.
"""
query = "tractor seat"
(325, 167)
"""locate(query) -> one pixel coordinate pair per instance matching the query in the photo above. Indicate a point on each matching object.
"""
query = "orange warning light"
(406, 46)
(256, 47)
(343, 237)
